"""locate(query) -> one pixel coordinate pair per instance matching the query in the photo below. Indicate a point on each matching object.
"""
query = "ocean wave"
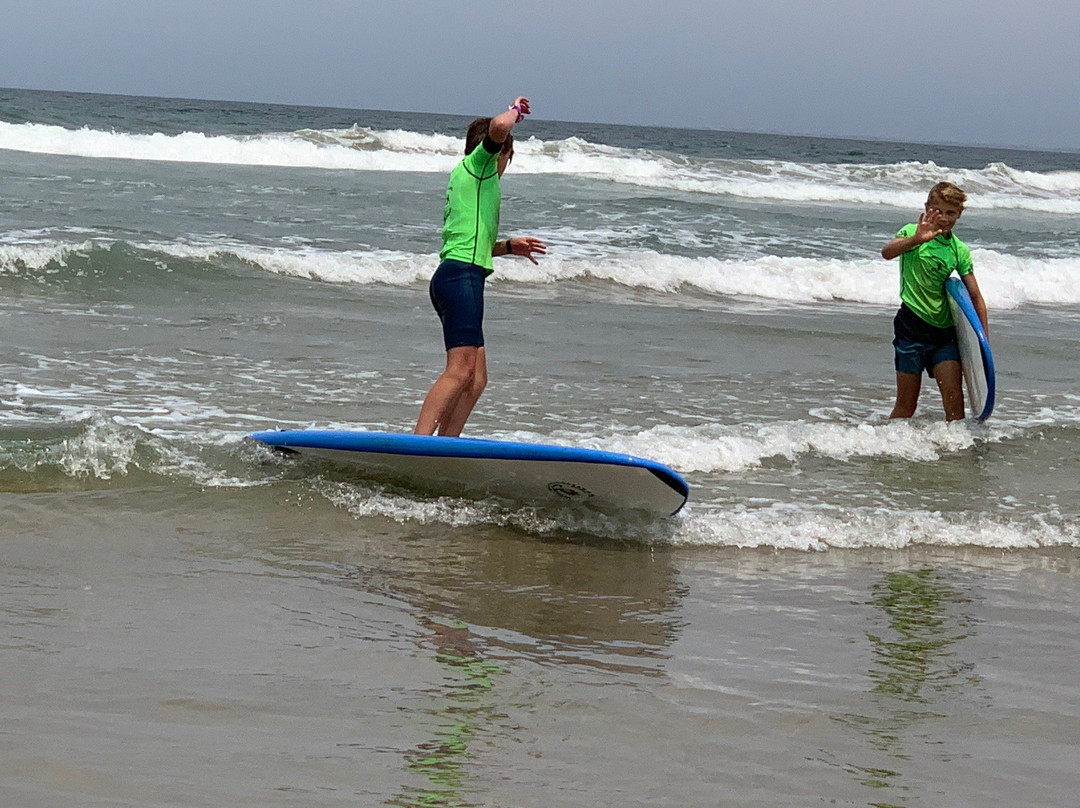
(95, 451)
(35, 257)
(1007, 281)
(159, 262)
(777, 527)
(732, 449)
(824, 528)
(90, 450)
(899, 185)
(304, 149)
(902, 185)
(722, 448)
(97, 442)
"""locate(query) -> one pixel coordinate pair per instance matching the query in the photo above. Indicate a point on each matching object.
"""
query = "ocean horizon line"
(463, 116)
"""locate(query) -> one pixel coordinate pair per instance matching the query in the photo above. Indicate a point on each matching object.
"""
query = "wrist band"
(517, 109)
(509, 247)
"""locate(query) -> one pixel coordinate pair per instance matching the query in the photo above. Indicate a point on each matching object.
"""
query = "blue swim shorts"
(457, 293)
(915, 357)
(920, 346)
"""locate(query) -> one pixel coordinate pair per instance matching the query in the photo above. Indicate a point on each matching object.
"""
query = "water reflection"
(917, 663)
(465, 712)
(916, 670)
(489, 605)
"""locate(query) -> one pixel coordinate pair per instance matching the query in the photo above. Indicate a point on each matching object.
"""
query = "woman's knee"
(461, 365)
(479, 379)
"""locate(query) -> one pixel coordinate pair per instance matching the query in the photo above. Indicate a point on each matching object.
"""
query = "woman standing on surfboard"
(923, 327)
(470, 228)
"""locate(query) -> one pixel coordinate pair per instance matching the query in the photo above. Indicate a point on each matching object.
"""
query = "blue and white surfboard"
(523, 472)
(975, 356)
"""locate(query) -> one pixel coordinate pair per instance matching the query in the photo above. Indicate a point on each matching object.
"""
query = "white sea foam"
(18, 255)
(1007, 281)
(99, 450)
(793, 527)
(85, 442)
(107, 448)
(996, 186)
(104, 452)
(700, 449)
(724, 448)
(901, 185)
(297, 150)
(348, 266)
(714, 448)
(779, 527)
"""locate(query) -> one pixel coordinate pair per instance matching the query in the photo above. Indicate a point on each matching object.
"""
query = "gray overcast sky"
(955, 71)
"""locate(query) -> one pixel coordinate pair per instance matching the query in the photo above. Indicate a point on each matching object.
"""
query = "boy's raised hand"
(930, 225)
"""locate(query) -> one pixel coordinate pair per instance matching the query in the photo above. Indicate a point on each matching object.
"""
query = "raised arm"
(929, 228)
(502, 124)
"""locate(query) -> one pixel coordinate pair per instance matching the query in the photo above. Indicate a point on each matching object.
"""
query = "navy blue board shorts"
(457, 293)
(921, 346)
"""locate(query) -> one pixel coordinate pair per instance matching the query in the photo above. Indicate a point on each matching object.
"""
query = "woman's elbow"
(499, 131)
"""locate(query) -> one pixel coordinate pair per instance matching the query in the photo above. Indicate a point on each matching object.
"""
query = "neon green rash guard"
(471, 215)
(923, 271)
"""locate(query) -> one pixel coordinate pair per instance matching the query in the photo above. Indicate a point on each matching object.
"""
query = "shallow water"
(264, 647)
(848, 611)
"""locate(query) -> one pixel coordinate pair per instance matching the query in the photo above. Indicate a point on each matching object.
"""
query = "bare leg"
(950, 378)
(442, 398)
(908, 386)
(466, 400)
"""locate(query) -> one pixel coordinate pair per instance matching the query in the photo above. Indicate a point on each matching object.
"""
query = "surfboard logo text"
(569, 490)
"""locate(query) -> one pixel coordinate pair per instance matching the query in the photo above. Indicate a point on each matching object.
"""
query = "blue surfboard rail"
(433, 446)
(956, 289)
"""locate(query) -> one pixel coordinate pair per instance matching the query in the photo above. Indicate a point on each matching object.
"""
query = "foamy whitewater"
(848, 611)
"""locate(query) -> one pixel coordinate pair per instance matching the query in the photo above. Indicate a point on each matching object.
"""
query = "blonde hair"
(948, 193)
